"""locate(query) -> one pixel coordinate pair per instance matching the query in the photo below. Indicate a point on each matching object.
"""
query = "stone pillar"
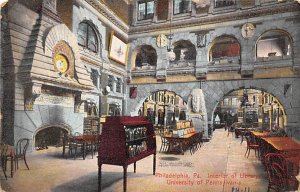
(1, 75)
(135, 13)
(154, 20)
(1, 79)
(170, 15)
(247, 58)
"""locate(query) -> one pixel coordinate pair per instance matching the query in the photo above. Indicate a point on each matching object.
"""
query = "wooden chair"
(165, 144)
(277, 166)
(73, 146)
(251, 145)
(21, 150)
(244, 134)
(196, 143)
(3, 151)
(276, 177)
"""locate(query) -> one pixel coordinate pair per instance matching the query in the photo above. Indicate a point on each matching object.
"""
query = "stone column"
(1, 75)
(135, 13)
(154, 20)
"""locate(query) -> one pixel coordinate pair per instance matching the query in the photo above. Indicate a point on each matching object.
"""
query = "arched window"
(225, 49)
(274, 44)
(146, 56)
(87, 37)
(185, 53)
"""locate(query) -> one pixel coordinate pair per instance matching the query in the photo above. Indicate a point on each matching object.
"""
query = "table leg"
(12, 167)
(134, 167)
(64, 147)
(83, 155)
(181, 148)
(125, 178)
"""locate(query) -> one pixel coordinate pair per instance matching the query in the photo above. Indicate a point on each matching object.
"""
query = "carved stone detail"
(63, 48)
(50, 4)
(30, 95)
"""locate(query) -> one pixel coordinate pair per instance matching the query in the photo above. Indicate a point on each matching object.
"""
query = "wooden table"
(10, 154)
(260, 134)
(85, 140)
(183, 141)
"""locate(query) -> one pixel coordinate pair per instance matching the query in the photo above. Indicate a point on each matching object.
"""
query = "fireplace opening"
(52, 136)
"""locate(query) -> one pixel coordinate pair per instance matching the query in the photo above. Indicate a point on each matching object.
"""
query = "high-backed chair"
(21, 150)
(279, 175)
(251, 145)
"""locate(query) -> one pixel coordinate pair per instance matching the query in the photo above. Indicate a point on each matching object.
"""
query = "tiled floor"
(222, 157)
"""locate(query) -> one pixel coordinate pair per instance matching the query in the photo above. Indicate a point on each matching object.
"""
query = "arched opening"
(185, 52)
(50, 136)
(164, 108)
(225, 50)
(250, 108)
(272, 45)
(114, 109)
(146, 57)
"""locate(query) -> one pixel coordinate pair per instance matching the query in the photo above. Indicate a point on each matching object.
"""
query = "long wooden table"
(183, 141)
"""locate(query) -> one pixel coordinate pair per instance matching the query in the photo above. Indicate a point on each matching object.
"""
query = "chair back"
(3, 150)
(279, 159)
(22, 146)
(248, 140)
(279, 176)
(163, 140)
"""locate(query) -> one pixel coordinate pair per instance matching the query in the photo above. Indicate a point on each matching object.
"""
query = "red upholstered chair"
(251, 145)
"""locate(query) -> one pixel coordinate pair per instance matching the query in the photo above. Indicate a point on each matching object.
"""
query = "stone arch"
(218, 40)
(271, 86)
(274, 30)
(65, 127)
(188, 46)
(149, 52)
(215, 90)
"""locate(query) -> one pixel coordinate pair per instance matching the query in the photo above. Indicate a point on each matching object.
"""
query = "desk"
(10, 154)
(184, 141)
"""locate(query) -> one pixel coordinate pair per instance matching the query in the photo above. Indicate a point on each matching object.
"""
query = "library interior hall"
(150, 95)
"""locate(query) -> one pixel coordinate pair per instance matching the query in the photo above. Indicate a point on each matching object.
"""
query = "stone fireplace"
(49, 136)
